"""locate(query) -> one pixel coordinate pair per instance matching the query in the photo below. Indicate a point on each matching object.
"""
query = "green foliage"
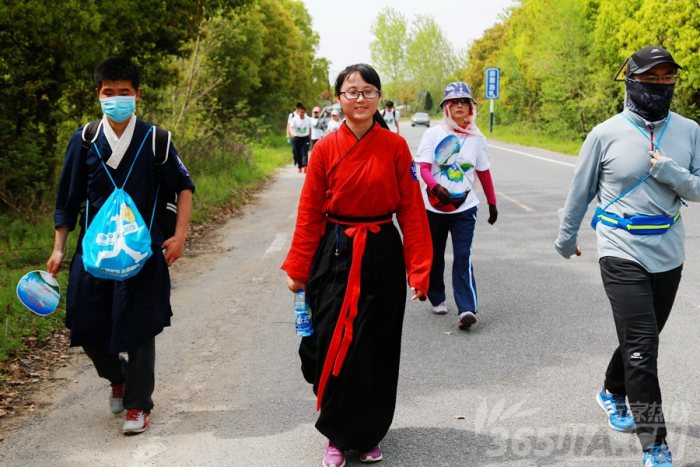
(558, 59)
(233, 177)
(413, 61)
(48, 51)
(429, 55)
(24, 246)
(388, 49)
(221, 74)
(428, 102)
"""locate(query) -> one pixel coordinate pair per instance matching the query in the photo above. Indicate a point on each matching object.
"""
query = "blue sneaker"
(619, 417)
(658, 456)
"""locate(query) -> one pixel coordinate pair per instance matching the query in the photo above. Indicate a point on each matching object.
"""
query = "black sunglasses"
(461, 100)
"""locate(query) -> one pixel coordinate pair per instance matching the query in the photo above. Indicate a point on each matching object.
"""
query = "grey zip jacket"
(614, 156)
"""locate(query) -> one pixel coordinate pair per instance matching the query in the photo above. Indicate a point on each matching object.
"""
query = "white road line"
(522, 206)
(277, 244)
(546, 159)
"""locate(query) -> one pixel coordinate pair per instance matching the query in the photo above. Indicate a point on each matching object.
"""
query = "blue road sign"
(493, 78)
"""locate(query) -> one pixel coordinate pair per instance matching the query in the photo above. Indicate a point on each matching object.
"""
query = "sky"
(344, 27)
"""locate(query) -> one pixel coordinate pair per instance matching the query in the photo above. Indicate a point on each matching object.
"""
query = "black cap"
(643, 60)
(647, 58)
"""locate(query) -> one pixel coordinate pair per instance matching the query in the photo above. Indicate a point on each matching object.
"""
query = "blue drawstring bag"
(117, 243)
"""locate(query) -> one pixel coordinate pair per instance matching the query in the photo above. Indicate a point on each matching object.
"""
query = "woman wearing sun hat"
(449, 156)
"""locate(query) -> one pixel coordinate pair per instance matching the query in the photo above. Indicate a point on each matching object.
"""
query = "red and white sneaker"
(373, 455)
(135, 421)
(333, 457)
(116, 399)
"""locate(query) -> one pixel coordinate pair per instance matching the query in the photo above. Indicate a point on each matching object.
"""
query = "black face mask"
(649, 101)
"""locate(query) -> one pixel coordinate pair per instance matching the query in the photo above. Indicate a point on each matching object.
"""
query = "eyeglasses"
(461, 100)
(367, 94)
(655, 79)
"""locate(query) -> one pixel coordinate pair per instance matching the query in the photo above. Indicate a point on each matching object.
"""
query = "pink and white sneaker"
(333, 457)
(373, 455)
(440, 309)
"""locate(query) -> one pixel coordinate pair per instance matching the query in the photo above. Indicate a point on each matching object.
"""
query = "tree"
(388, 49)
(428, 102)
(47, 54)
(558, 58)
(429, 55)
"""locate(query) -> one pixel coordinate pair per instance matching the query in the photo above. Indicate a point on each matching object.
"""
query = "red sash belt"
(342, 335)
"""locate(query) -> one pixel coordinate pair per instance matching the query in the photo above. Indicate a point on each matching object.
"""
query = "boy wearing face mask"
(639, 166)
(108, 317)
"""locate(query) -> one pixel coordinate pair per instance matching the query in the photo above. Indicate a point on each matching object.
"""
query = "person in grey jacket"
(639, 166)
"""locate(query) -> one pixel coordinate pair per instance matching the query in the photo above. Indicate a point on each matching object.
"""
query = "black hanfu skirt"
(358, 404)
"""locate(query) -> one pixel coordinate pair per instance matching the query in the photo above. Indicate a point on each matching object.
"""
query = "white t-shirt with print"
(456, 168)
(316, 133)
(333, 125)
(301, 126)
(391, 118)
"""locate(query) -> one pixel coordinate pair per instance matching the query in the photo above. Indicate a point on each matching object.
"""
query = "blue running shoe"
(619, 417)
(658, 456)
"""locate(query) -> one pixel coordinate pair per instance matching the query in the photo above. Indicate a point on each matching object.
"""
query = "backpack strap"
(89, 136)
(161, 144)
(166, 199)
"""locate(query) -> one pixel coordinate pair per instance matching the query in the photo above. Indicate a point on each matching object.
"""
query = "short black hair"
(389, 103)
(116, 69)
(300, 105)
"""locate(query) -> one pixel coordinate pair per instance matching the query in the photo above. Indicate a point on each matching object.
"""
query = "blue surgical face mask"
(118, 108)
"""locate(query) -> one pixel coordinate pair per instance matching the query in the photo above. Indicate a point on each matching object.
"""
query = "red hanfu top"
(375, 178)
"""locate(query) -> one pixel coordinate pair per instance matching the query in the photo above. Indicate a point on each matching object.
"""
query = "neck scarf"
(650, 101)
(451, 127)
(117, 144)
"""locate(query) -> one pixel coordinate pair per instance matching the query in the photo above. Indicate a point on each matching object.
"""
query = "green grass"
(26, 245)
(525, 136)
(229, 184)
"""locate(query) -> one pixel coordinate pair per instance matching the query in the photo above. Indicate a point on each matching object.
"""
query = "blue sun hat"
(455, 90)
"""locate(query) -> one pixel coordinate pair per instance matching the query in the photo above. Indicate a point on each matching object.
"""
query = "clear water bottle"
(302, 324)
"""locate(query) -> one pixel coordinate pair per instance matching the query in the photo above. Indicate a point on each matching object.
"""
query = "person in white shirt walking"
(316, 132)
(391, 116)
(335, 121)
(300, 129)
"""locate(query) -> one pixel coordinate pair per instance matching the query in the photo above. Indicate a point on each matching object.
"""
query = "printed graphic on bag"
(118, 242)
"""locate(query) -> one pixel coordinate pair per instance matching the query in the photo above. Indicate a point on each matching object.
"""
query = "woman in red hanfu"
(348, 256)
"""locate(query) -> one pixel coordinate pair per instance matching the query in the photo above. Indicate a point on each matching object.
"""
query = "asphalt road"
(516, 390)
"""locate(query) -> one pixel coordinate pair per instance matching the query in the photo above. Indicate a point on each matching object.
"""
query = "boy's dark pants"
(641, 302)
(138, 373)
(300, 149)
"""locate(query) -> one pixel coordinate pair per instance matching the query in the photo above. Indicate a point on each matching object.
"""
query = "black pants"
(300, 150)
(138, 372)
(641, 302)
